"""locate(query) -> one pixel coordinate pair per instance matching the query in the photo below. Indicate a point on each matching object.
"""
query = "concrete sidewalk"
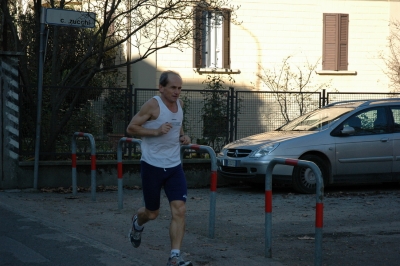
(101, 225)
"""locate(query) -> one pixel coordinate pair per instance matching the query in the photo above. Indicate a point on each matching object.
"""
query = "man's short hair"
(164, 77)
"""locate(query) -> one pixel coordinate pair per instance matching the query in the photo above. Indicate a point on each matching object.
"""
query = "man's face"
(173, 89)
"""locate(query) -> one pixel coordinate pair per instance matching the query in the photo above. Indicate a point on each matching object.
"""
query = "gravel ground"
(361, 224)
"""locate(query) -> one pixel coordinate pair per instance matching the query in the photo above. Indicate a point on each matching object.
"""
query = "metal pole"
(119, 174)
(93, 165)
(39, 101)
(119, 167)
(73, 158)
(319, 210)
(213, 198)
(268, 209)
(231, 115)
(213, 182)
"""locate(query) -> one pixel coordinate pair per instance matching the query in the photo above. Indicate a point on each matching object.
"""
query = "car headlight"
(264, 151)
(221, 153)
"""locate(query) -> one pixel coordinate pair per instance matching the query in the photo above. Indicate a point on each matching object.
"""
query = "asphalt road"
(27, 240)
(361, 227)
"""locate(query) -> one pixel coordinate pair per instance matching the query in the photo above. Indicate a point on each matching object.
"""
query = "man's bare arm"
(146, 112)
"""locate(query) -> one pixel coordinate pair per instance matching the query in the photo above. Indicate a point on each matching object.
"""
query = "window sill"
(217, 71)
(332, 72)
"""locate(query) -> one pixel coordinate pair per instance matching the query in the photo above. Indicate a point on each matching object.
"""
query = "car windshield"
(316, 120)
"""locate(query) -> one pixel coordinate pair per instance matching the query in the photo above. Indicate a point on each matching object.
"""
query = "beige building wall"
(271, 30)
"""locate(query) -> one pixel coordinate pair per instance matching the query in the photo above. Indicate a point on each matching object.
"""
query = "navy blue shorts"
(154, 178)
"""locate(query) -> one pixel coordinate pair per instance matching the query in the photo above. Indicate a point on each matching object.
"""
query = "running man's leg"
(152, 182)
(151, 186)
(177, 226)
(144, 215)
(176, 190)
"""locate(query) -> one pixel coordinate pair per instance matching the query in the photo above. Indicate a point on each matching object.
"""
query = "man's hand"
(164, 129)
(184, 139)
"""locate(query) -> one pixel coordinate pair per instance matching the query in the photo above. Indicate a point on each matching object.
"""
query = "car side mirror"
(348, 130)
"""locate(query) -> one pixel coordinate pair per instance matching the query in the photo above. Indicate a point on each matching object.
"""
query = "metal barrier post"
(119, 167)
(92, 159)
(318, 210)
(213, 181)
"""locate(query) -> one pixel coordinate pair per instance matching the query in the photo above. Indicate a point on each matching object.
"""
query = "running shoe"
(135, 235)
(178, 261)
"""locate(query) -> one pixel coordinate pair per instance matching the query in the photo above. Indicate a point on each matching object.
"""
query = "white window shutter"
(213, 39)
(216, 53)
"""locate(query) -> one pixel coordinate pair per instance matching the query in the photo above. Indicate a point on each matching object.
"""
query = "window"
(396, 118)
(212, 38)
(335, 42)
(368, 122)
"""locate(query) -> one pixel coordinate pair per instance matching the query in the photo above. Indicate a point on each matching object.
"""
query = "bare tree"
(392, 59)
(86, 57)
(294, 81)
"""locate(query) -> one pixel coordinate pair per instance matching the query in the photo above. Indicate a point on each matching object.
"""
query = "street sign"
(70, 18)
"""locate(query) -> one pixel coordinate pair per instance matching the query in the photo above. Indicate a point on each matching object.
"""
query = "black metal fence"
(265, 111)
(245, 112)
(212, 118)
(102, 112)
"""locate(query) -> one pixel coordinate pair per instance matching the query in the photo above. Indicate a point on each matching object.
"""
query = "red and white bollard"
(213, 181)
(92, 160)
(318, 210)
(119, 167)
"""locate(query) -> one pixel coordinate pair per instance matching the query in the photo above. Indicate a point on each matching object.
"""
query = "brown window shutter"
(343, 41)
(330, 42)
(197, 37)
(335, 42)
(226, 56)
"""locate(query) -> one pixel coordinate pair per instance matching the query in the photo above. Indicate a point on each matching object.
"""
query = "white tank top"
(163, 151)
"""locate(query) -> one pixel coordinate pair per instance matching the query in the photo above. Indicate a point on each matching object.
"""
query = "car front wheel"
(304, 180)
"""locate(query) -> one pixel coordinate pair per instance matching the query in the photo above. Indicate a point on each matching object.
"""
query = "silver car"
(350, 142)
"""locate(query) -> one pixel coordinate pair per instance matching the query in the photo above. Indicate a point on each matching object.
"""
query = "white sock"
(175, 253)
(137, 226)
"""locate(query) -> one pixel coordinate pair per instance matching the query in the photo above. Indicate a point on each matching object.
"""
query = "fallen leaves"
(306, 238)
(66, 190)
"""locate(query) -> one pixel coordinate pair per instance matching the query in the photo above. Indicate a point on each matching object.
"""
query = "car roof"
(364, 103)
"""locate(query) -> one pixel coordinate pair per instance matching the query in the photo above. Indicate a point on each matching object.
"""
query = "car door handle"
(384, 140)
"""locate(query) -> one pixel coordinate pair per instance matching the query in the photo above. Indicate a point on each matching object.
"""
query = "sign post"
(57, 17)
